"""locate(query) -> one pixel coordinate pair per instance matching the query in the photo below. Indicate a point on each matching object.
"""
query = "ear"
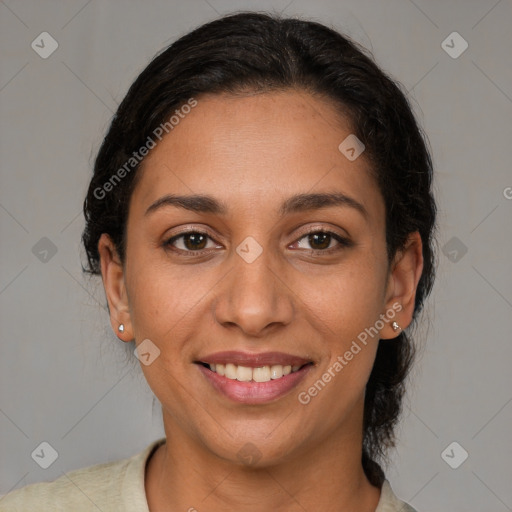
(405, 273)
(112, 273)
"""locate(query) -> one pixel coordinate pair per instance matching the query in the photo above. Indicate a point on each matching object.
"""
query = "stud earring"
(395, 326)
(121, 328)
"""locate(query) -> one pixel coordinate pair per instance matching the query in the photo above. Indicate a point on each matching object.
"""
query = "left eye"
(321, 241)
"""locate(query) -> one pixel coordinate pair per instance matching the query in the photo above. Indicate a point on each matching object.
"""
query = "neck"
(184, 475)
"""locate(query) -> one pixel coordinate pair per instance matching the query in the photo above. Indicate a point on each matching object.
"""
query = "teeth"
(261, 374)
(230, 371)
(246, 374)
(276, 371)
(243, 373)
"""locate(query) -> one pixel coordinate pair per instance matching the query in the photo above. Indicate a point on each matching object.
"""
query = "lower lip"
(254, 392)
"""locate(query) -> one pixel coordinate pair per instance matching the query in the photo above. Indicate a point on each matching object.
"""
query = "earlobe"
(403, 281)
(112, 273)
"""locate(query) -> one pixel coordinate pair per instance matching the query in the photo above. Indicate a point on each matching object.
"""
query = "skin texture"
(252, 152)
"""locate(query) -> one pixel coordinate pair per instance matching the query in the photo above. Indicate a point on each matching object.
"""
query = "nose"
(253, 297)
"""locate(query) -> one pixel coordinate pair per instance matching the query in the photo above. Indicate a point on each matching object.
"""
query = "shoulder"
(389, 502)
(77, 490)
(104, 486)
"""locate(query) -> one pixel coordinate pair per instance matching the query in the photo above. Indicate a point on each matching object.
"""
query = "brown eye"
(322, 241)
(319, 240)
(192, 241)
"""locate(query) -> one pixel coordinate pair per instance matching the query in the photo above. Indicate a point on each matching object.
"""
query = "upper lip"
(252, 360)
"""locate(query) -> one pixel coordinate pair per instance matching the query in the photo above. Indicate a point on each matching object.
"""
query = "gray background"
(65, 378)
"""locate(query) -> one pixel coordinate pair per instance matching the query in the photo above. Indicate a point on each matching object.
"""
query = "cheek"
(348, 303)
(161, 295)
(153, 303)
(162, 303)
(347, 300)
(344, 308)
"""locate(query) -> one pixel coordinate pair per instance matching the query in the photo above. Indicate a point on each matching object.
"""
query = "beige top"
(114, 487)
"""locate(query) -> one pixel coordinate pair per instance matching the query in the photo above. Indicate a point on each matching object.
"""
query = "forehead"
(255, 151)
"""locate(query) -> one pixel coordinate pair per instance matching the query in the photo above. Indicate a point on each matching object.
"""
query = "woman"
(262, 216)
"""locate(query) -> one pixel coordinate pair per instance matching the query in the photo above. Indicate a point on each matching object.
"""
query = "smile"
(248, 374)
(253, 378)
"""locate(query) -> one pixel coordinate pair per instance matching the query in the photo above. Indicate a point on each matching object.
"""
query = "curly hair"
(258, 53)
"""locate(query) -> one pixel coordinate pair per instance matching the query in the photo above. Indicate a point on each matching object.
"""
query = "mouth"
(247, 374)
(253, 378)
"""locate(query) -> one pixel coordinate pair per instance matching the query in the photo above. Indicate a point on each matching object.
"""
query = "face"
(257, 294)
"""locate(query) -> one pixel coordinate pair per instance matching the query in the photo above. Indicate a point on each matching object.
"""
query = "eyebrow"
(298, 203)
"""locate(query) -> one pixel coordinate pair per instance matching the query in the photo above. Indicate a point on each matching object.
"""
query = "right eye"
(191, 242)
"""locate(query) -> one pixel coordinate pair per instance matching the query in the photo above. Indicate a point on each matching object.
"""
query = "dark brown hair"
(259, 52)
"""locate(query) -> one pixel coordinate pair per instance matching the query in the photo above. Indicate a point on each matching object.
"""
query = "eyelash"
(342, 242)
